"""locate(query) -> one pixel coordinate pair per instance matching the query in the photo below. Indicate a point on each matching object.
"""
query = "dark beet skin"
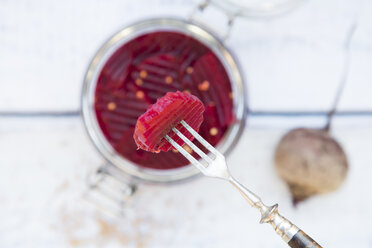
(145, 69)
(165, 114)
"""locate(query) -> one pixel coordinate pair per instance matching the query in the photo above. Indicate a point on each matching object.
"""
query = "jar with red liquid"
(143, 62)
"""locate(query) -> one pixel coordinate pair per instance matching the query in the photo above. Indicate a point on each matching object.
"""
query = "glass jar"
(123, 175)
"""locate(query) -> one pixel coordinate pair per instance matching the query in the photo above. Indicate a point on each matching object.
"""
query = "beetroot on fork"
(165, 114)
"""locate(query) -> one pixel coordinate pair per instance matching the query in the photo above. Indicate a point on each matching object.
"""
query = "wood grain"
(302, 240)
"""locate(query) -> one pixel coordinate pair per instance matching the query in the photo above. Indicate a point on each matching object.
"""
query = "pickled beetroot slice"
(165, 114)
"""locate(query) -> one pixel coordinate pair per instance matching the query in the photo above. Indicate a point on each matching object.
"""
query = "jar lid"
(255, 8)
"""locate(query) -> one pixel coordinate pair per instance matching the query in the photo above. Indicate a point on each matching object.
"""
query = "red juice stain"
(145, 69)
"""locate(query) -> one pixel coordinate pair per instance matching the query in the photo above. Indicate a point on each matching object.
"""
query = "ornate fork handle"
(289, 232)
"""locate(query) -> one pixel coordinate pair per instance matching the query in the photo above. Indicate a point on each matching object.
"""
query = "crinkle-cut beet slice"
(165, 114)
(214, 86)
(116, 70)
(210, 127)
(159, 75)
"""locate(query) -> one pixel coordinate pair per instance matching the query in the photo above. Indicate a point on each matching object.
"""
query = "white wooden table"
(292, 63)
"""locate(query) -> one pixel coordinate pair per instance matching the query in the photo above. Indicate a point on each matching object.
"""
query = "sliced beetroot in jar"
(127, 147)
(145, 69)
(165, 114)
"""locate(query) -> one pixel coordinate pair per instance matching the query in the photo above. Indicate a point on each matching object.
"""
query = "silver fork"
(214, 165)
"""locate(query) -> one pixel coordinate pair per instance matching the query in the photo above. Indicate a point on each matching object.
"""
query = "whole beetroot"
(311, 162)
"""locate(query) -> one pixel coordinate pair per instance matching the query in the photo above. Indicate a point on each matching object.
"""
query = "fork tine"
(200, 138)
(193, 147)
(184, 153)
